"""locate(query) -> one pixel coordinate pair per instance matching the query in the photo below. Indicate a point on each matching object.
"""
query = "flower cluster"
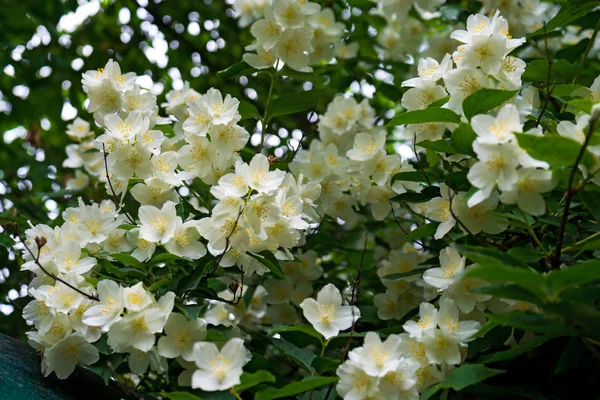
(156, 279)
(297, 33)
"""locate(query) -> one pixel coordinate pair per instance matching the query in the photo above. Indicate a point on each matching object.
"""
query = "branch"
(570, 192)
(353, 299)
(549, 89)
(41, 242)
(462, 225)
(116, 198)
(419, 160)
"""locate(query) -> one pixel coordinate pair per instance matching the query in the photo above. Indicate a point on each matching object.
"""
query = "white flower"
(79, 182)
(110, 308)
(485, 52)
(158, 225)
(79, 129)
(526, 192)
(197, 156)
(293, 46)
(154, 191)
(366, 146)
(425, 326)
(449, 323)
(500, 129)
(355, 383)
(199, 119)
(497, 165)
(137, 329)
(185, 241)
(257, 175)
(221, 112)
(463, 82)
(136, 298)
(422, 96)
(266, 31)
(64, 299)
(430, 71)
(228, 138)
(67, 258)
(288, 14)
(262, 59)
(442, 348)
(451, 264)
(126, 130)
(438, 209)
(219, 370)
(128, 160)
(65, 354)
(399, 383)
(461, 291)
(377, 358)
(181, 335)
(327, 314)
(480, 217)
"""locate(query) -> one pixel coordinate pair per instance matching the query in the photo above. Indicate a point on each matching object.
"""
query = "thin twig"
(353, 299)
(50, 274)
(420, 243)
(570, 192)
(419, 160)
(463, 226)
(587, 51)
(549, 89)
(117, 202)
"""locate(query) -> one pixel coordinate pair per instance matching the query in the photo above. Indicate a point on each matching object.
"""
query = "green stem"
(581, 242)
(323, 347)
(533, 235)
(264, 120)
(587, 51)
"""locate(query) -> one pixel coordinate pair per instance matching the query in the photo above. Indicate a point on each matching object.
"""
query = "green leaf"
(570, 356)
(527, 254)
(164, 258)
(555, 150)
(412, 197)
(410, 176)
(268, 260)
(423, 231)
(440, 146)
(425, 115)
(401, 275)
(302, 386)
(294, 103)
(562, 71)
(518, 349)
(240, 68)
(509, 291)
(439, 102)
(129, 260)
(179, 396)
(248, 110)
(325, 364)
(304, 76)
(579, 274)
(527, 278)
(462, 377)
(584, 105)
(462, 139)
(302, 357)
(484, 100)
(566, 89)
(304, 328)
(569, 12)
(532, 322)
(248, 380)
